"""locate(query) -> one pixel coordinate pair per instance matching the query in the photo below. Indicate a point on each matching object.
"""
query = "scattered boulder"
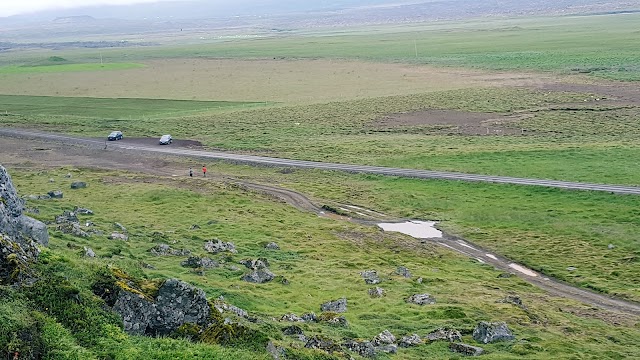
(195, 227)
(176, 304)
(55, 194)
(198, 262)
(362, 348)
(72, 229)
(409, 341)
(611, 247)
(370, 277)
(291, 317)
(488, 332)
(513, 299)
(322, 343)
(166, 250)
(421, 299)
(83, 211)
(223, 307)
(403, 271)
(292, 330)
(67, 217)
(88, 252)
(68, 176)
(419, 281)
(276, 352)
(32, 210)
(272, 246)
(18, 227)
(309, 317)
(389, 348)
(15, 261)
(51, 180)
(216, 246)
(39, 197)
(444, 334)
(465, 349)
(384, 338)
(376, 292)
(336, 306)
(259, 276)
(118, 236)
(78, 185)
(260, 263)
(334, 319)
(571, 268)
(119, 226)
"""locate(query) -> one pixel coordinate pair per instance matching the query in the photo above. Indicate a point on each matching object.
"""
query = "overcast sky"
(14, 7)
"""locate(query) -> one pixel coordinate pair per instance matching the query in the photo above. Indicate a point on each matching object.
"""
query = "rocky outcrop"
(256, 264)
(465, 349)
(166, 250)
(83, 211)
(421, 299)
(177, 303)
(403, 271)
(13, 223)
(444, 334)
(370, 277)
(55, 194)
(15, 261)
(272, 246)
(216, 246)
(515, 300)
(488, 332)
(336, 306)
(362, 348)
(198, 262)
(384, 338)
(78, 185)
(409, 341)
(259, 276)
(322, 343)
(118, 236)
(376, 292)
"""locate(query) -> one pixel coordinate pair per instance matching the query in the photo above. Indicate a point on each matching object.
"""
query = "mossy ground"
(320, 257)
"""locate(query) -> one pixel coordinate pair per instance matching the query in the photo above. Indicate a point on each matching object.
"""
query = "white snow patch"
(523, 269)
(415, 228)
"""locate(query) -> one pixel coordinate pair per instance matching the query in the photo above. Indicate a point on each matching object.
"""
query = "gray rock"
(68, 176)
(118, 236)
(291, 317)
(488, 332)
(465, 349)
(513, 299)
(336, 306)
(216, 246)
(362, 348)
(259, 276)
(403, 271)
(83, 211)
(444, 334)
(67, 217)
(88, 252)
(15, 261)
(78, 185)
(272, 246)
(276, 352)
(571, 268)
(166, 250)
(376, 292)
(292, 330)
(195, 227)
(419, 281)
(321, 343)
(384, 338)
(335, 320)
(119, 226)
(257, 264)
(389, 348)
(72, 229)
(176, 304)
(55, 194)
(370, 277)
(51, 180)
(409, 341)
(39, 197)
(32, 210)
(14, 224)
(421, 299)
(611, 247)
(223, 307)
(198, 262)
(309, 317)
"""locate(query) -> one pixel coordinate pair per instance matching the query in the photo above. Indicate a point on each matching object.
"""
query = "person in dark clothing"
(190, 172)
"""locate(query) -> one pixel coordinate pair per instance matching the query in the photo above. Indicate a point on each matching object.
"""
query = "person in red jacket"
(204, 171)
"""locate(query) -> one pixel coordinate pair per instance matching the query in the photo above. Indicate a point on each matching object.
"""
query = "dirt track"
(41, 155)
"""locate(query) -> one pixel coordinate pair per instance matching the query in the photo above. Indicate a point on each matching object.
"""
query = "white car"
(166, 140)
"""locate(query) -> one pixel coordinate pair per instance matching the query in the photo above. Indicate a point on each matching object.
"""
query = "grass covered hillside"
(320, 259)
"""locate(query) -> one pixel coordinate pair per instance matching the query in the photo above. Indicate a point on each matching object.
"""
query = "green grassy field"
(56, 68)
(92, 110)
(322, 258)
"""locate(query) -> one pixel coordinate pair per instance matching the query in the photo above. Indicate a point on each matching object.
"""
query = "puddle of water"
(523, 269)
(414, 228)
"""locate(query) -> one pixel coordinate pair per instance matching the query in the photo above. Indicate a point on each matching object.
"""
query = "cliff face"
(18, 234)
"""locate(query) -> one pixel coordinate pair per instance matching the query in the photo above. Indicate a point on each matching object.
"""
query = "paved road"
(262, 160)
